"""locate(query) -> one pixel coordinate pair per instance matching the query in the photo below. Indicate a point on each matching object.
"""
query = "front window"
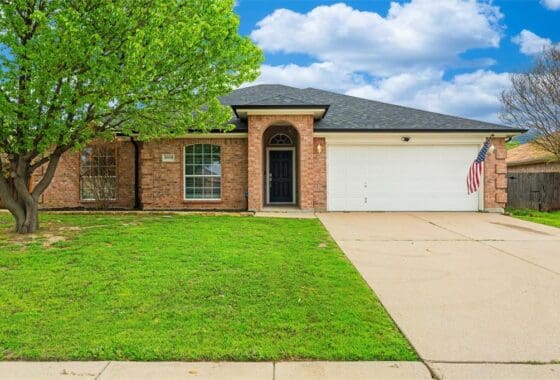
(98, 173)
(203, 172)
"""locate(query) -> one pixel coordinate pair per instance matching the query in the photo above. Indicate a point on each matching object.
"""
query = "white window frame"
(185, 176)
(82, 198)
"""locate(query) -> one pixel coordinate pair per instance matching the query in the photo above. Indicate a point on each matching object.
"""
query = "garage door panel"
(398, 178)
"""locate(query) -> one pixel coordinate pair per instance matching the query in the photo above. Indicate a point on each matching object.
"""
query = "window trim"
(271, 144)
(184, 161)
(116, 177)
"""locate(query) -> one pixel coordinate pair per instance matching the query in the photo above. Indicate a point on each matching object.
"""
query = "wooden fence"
(537, 191)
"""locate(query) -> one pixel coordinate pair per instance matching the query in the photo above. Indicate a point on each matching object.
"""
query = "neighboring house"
(531, 158)
(300, 148)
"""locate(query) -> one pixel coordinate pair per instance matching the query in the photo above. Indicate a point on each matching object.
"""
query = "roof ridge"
(282, 96)
(269, 84)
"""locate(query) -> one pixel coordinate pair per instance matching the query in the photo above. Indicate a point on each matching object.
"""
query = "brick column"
(495, 180)
(306, 164)
(320, 174)
(254, 162)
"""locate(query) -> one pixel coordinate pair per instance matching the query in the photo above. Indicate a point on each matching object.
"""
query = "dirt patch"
(52, 239)
(71, 228)
(48, 235)
(22, 239)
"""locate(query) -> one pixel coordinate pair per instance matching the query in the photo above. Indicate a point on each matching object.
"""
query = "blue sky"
(449, 56)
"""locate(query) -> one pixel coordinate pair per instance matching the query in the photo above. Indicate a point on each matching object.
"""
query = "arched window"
(280, 139)
(203, 172)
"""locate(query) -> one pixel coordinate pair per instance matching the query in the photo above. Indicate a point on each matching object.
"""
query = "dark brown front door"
(281, 176)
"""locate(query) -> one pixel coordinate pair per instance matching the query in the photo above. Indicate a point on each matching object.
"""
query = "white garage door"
(399, 178)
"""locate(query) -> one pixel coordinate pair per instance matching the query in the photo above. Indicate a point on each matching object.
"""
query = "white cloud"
(530, 43)
(473, 95)
(323, 75)
(553, 5)
(398, 58)
(415, 35)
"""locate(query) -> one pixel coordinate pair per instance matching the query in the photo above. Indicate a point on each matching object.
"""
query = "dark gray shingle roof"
(349, 113)
(280, 100)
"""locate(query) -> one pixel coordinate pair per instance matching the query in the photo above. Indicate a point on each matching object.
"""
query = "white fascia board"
(316, 112)
(416, 138)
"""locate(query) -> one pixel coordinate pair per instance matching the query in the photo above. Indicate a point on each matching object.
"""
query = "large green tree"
(76, 70)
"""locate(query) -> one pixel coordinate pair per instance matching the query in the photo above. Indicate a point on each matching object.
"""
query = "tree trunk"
(29, 222)
(25, 213)
(24, 206)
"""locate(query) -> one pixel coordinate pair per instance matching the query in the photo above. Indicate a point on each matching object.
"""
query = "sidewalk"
(273, 371)
(212, 370)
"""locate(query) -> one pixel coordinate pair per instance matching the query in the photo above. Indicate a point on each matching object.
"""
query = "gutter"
(323, 107)
(512, 131)
(137, 203)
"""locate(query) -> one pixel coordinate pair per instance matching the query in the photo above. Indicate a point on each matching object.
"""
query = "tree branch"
(42, 185)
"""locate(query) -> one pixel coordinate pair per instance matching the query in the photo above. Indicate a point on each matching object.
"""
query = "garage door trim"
(339, 143)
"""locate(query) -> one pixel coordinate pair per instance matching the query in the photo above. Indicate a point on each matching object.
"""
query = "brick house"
(300, 148)
(531, 158)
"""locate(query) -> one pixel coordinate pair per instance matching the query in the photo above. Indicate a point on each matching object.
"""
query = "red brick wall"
(242, 170)
(258, 124)
(495, 180)
(64, 190)
(319, 174)
(162, 182)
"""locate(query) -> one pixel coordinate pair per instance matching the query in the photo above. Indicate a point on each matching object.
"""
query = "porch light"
(319, 148)
(492, 147)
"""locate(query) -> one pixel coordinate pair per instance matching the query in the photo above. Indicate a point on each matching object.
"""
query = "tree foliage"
(533, 100)
(75, 70)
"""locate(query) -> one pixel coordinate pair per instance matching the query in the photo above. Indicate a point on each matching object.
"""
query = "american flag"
(475, 171)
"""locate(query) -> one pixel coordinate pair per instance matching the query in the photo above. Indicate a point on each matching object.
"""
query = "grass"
(548, 218)
(186, 287)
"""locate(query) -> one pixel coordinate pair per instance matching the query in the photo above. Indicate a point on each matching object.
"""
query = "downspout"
(137, 205)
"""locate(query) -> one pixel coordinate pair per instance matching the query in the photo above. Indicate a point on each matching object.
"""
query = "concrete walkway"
(465, 288)
(210, 370)
(271, 371)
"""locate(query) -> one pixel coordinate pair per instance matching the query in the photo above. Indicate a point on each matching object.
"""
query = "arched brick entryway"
(261, 127)
(280, 152)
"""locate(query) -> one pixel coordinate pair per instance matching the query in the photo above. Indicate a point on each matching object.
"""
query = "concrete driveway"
(463, 287)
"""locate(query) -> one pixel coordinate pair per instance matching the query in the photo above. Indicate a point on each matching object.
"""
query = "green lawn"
(548, 218)
(186, 287)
